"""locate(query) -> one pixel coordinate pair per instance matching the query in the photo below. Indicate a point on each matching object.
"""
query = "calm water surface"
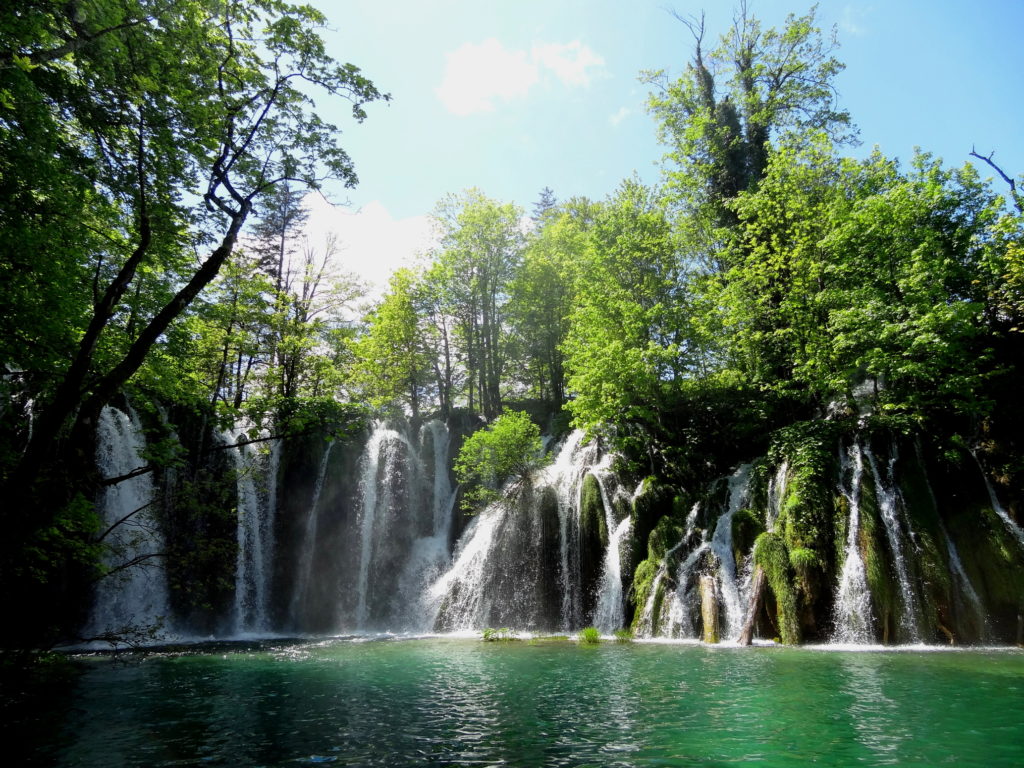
(465, 702)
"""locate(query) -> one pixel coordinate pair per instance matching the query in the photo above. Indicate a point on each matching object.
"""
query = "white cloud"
(854, 19)
(372, 243)
(479, 75)
(619, 116)
(569, 62)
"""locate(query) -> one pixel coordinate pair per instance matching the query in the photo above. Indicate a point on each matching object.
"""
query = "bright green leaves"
(391, 359)
(506, 450)
(627, 341)
(844, 271)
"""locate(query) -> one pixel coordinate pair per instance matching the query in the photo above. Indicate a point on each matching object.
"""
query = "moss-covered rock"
(771, 555)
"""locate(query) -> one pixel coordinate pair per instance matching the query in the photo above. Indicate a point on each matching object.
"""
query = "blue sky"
(514, 96)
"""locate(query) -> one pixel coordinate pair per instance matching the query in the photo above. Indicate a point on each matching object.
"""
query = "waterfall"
(608, 616)
(609, 612)
(956, 567)
(515, 550)
(853, 622)
(646, 626)
(308, 549)
(132, 600)
(721, 546)
(389, 474)
(429, 554)
(888, 506)
(680, 621)
(998, 508)
(255, 533)
(776, 494)
(568, 483)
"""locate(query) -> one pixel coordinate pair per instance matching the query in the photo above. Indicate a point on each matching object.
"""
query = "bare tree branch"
(1018, 199)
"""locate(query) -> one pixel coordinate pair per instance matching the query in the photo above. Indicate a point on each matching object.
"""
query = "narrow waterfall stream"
(132, 598)
(893, 520)
(255, 478)
(853, 620)
(998, 508)
(307, 550)
(721, 546)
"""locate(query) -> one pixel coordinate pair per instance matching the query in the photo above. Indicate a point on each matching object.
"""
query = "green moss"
(771, 555)
(592, 512)
(746, 527)
(643, 580)
(504, 634)
(623, 636)
(666, 534)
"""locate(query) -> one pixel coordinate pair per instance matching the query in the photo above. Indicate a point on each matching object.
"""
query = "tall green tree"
(542, 296)
(163, 104)
(481, 245)
(392, 363)
(626, 348)
(719, 118)
(157, 126)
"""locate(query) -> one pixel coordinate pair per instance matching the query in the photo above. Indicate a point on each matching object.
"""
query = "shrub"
(506, 450)
(589, 636)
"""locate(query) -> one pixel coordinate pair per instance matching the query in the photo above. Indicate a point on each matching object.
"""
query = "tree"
(492, 458)
(719, 117)
(542, 296)
(181, 102)
(627, 342)
(545, 204)
(391, 360)
(158, 125)
(481, 244)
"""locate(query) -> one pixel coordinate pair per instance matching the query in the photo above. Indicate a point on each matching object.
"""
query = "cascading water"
(853, 621)
(966, 591)
(674, 613)
(308, 547)
(390, 471)
(515, 550)
(721, 546)
(998, 508)
(256, 479)
(889, 507)
(776, 494)
(401, 530)
(609, 611)
(131, 601)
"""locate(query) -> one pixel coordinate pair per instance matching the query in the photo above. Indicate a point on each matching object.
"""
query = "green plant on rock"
(623, 636)
(771, 555)
(589, 636)
(503, 634)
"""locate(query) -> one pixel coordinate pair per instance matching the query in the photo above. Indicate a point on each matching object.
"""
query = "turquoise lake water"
(451, 701)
